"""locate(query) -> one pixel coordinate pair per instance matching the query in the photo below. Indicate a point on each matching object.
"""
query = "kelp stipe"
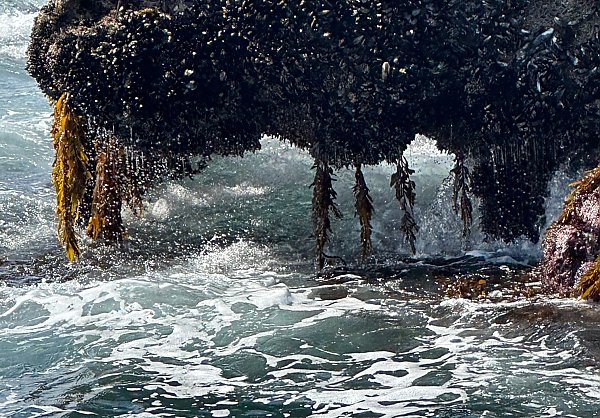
(405, 194)
(364, 210)
(106, 221)
(461, 202)
(323, 203)
(70, 173)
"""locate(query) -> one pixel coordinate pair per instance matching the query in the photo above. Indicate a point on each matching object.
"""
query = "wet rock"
(571, 246)
(507, 85)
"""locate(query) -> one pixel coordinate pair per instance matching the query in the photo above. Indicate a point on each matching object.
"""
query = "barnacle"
(70, 173)
(585, 186)
(364, 210)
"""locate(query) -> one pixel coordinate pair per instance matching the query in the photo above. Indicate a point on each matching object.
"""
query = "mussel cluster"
(512, 87)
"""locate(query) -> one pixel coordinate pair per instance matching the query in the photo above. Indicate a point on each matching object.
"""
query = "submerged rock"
(512, 86)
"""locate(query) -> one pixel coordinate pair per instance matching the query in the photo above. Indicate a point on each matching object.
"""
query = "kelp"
(364, 211)
(106, 221)
(589, 284)
(473, 287)
(70, 173)
(405, 194)
(461, 202)
(323, 203)
(506, 284)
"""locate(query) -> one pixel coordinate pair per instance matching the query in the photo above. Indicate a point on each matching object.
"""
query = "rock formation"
(571, 262)
(511, 86)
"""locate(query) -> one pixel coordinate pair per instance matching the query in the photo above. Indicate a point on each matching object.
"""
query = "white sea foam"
(15, 28)
(177, 326)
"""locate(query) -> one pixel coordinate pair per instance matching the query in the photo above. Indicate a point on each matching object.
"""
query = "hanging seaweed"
(136, 179)
(405, 193)
(364, 210)
(106, 221)
(589, 284)
(461, 202)
(70, 173)
(323, 203)
(132, 193)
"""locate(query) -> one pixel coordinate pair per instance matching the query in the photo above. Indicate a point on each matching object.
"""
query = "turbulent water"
(213, 309)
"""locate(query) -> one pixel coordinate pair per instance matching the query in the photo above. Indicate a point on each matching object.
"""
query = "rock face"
(511, 85)
(571, 262)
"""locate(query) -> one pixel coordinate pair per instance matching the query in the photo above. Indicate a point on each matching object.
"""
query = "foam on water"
(250, 339)
(15, 28)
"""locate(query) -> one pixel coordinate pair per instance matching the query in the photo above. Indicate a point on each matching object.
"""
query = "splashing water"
(212, 308)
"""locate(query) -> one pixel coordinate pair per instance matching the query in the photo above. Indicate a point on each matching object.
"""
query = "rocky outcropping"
(571, 262)
(511, 85)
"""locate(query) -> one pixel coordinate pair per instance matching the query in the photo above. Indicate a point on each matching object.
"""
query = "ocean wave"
(15, 28)
(23, 6)
(179, 340)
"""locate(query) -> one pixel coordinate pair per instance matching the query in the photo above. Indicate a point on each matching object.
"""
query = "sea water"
(213, 309)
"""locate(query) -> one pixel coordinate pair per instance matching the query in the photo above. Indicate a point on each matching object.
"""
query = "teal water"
(213, 309)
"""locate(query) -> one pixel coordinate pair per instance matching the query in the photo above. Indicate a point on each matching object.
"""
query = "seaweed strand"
(70, 172)
(323, 203)
(589, 284)
(461, 201)
(364, 210)
(405, 194)
(106, 221)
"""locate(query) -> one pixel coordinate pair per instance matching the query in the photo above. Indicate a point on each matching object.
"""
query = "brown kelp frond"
(589, 284)
(461, 202)
(473, 287)
(70, 173)
(507, 286)
(364, 210)
(593, 292)
(323, 203)
(405, 187)
(585, 186)
(132, 195)
(134, 181)
(106, 221)
(409, 229)
(405, 193)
